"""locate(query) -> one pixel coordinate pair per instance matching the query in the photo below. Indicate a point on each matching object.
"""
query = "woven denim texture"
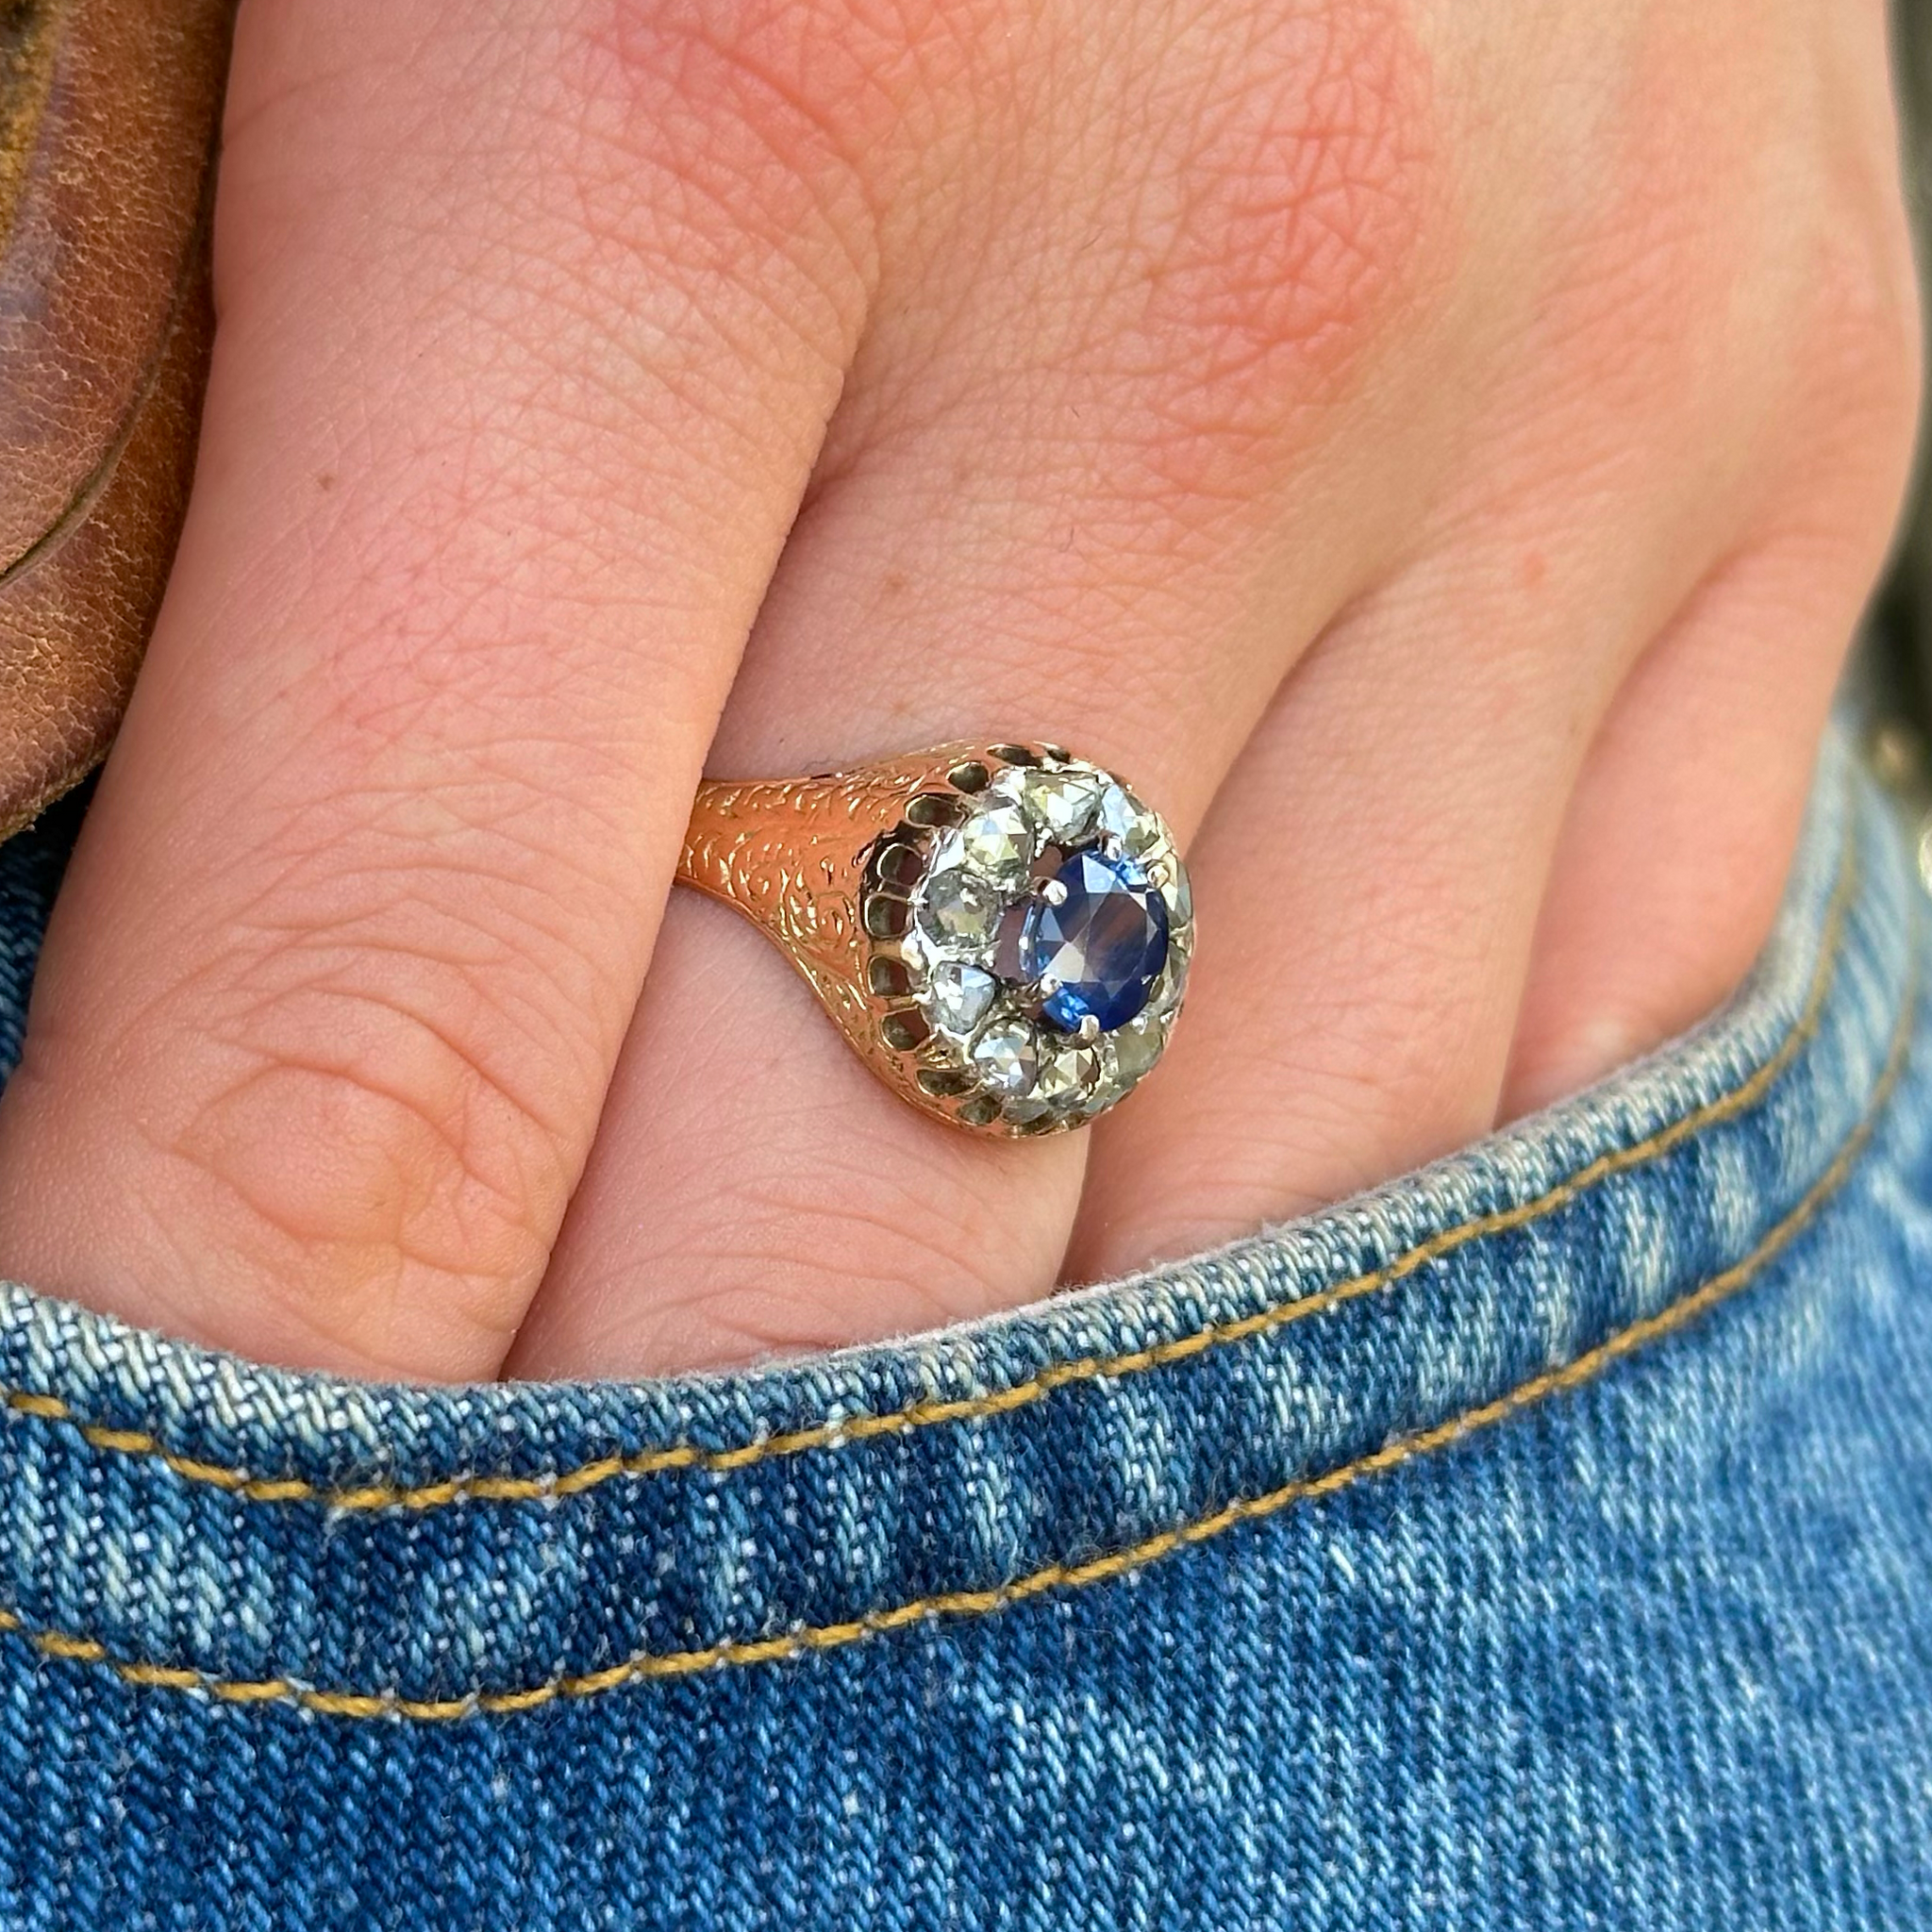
(1542, 1541)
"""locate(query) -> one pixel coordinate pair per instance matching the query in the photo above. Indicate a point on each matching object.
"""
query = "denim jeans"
(1544, 1539)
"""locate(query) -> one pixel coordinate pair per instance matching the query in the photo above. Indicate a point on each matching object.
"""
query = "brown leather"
(108, 111)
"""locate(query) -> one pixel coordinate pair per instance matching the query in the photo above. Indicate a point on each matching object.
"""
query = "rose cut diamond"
(1124, 819)
(1007, 1056)
(959, 996)
(1067, 1075)
(1062, 802)
(1136, 1047)
(998, 842)
(958, 909)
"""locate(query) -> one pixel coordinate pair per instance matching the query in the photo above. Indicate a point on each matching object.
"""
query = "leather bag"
(109, 112)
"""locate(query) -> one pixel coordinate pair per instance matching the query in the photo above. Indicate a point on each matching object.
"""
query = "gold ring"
(1001, 932)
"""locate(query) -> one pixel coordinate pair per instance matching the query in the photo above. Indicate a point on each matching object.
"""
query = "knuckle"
(1304, 198)
(369, 1126)
(786, 120)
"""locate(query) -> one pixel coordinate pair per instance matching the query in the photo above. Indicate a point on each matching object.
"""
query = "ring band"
(1001, 932)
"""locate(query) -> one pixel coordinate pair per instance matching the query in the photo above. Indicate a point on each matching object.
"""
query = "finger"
(1372, 870)
(1674, 850)
(1359, 1017)
(1099, 505)
(1477, 917)
(1673, 857)
(529, 330)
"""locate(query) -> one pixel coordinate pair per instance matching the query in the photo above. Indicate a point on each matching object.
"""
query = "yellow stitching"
(960, 1604)
(929, 1413)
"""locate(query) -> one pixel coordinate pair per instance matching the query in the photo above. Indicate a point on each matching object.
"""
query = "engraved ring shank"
(905, 890)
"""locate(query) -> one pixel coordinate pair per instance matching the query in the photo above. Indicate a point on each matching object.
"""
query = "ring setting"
(1003, 932)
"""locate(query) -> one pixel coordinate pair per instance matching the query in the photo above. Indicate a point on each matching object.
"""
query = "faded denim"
(1544, 1541)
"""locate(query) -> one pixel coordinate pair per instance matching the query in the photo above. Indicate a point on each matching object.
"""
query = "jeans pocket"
(1170, 1602)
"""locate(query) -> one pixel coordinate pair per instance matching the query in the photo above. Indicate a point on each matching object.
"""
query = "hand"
(1437, 451)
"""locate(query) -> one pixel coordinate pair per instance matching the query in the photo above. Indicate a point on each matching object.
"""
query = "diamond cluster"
(1047, 944)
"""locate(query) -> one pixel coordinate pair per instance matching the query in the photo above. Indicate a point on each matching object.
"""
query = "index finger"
(530, 325)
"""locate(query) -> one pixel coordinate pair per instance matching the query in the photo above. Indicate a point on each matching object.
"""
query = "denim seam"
(927, 1413)
(968, 1603)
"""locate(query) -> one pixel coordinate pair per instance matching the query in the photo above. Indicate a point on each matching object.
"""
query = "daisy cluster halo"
(1030, 928)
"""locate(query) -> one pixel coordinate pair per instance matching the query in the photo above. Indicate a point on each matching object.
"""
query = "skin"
(1436, 451)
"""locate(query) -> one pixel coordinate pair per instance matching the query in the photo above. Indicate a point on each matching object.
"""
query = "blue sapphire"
(1104, 942)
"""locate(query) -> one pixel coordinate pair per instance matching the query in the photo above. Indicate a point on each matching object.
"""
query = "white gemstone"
(1063, 802)
(958, 996)
(1136, 1047)
(1067, 1076)
(1007, 1058)
(958, 909)
(1171, 985)
(1108, 1085)
(1179, 893)
(998, 842)
(1123, 818)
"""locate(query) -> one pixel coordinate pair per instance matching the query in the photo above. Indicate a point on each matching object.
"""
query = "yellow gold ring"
(1001, 931)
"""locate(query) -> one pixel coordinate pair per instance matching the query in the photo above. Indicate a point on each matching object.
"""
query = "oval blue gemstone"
(1104, 942)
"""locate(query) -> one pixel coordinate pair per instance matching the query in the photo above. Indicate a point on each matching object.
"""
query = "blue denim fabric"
(1544, 1540)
